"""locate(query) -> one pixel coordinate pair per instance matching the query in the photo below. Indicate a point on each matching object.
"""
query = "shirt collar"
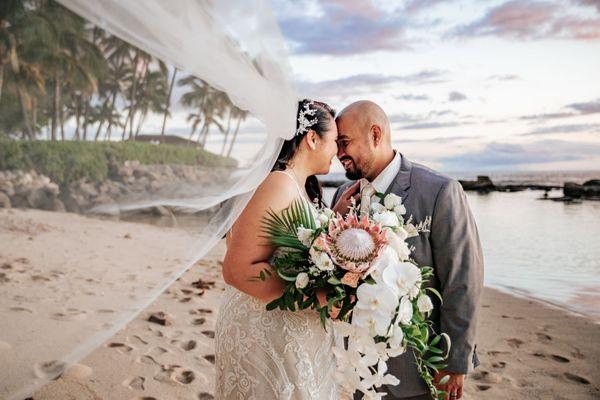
(386, 177)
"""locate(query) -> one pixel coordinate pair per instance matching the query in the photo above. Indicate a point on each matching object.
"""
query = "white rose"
(304, 236)
(386, 218)
(377, 208)
(301, 280)
(391, 200)
(400, 210)
(321, 260)
(405, 311)
(424, 303)
(323, 219)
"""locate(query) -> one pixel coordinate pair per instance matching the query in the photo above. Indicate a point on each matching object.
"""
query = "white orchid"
(388, 256)
(405, 311)
(424, 303)
(380, 298)
(305, 236)
(396, 338)
(301, 280)
(375, 321)
(396, 241)
(402, 277)
(400, 210)
(391, 200)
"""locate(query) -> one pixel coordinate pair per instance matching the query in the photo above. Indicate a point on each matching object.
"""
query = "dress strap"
(300, 191)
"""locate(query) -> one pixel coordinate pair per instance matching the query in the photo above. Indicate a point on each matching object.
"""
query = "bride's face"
(325, 149)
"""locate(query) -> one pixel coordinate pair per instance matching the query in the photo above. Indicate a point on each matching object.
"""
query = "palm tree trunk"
(112, 107)
(133, 88)
(86, 109)
(62, 123)
(34, 116)
(226, 132)
(162, 131)
(140, 122)
(55, 105)
(77, 118)
(100, 123)
(23, 105)
(1, 79)
(237, 128)
(204, 134)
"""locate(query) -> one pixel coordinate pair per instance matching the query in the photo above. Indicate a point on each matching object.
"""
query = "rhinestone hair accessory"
(304, 123)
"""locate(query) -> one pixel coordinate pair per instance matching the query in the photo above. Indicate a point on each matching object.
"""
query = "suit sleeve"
(335, 196)
(458, 262)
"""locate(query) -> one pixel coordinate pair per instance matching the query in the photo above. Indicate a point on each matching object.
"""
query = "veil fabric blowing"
(236, 48)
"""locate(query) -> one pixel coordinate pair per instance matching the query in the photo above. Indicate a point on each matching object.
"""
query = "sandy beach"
(529, 350)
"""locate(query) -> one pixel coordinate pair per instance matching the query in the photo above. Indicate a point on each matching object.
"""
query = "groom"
(452, 246)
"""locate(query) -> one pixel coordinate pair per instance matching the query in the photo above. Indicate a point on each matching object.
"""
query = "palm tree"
(168, 103)
(241, 116)
(194, 99)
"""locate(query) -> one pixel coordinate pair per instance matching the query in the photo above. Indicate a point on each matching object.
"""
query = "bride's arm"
(247, 252)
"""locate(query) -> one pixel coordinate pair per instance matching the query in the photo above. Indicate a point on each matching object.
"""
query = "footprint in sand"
(576, 378)
(105, 311)
(4, 278)
(210, 358)
(186, 377)
(201, 311)
(22, 309)
(483, 388)
(210, 334)
(205, 396)
(560, 359)
(71, 314)
(157, 351)
(175, 374)
(40, 278)
(499, 364)
(543, 337)
(185, 345)
(515, 343)
(135, 383)
(145, 398)
(49, 369)
(199, 321)
(122, 347)
(137, 339)
(149, 360)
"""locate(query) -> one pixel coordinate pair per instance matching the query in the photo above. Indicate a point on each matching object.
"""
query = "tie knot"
(367, 189)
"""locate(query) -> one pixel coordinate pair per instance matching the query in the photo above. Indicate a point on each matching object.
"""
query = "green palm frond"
(281, 229)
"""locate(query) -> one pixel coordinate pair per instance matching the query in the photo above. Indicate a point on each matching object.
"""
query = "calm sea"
(540, 249)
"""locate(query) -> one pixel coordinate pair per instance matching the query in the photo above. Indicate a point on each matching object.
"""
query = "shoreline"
(528, 349)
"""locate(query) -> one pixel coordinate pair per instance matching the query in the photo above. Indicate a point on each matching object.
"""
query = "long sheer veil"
(232, 48)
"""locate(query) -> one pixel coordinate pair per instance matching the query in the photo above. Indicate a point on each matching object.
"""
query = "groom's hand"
(453, 387)
(345, 199)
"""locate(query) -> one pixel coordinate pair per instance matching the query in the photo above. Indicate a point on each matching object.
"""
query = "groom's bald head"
(364, 139)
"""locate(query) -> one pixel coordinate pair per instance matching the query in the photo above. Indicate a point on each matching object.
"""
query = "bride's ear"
(312, 139)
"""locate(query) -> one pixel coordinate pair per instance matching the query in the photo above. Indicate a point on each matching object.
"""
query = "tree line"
(57, 68)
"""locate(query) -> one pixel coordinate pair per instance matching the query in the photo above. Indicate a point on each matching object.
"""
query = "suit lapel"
(401, 182)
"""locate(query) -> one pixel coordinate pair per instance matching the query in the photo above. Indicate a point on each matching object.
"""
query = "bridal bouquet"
(373, 289)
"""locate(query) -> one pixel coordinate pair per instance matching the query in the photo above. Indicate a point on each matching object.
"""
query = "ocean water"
(540, 249)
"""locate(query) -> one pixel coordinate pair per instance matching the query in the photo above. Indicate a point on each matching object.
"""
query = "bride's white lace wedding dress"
(264, 355)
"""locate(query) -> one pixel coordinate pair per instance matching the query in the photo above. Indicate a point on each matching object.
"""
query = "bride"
(276, 354)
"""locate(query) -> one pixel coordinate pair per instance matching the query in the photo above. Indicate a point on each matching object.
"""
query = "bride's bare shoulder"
(277, 191)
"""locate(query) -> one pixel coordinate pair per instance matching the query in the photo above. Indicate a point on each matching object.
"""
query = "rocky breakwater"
(589, 190)
(131, 181)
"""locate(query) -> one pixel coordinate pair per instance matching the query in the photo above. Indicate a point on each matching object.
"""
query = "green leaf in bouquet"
(436, 293)
(281, 229)
(334, 281)
(444, 380)
(285, 276)
(273, 304)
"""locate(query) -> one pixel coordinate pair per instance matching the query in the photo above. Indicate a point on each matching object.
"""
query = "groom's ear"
(376, 134)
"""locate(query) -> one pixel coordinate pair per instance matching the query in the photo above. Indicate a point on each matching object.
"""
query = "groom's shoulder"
(426, 175)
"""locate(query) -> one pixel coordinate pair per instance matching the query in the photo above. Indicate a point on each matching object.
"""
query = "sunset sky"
(468, 84)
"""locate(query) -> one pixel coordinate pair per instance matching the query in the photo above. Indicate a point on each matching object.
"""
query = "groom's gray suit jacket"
(453, 249)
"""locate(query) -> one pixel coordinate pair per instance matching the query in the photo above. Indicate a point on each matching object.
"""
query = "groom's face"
(355, 151)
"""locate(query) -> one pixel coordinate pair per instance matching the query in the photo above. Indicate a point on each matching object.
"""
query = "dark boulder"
(482, 184)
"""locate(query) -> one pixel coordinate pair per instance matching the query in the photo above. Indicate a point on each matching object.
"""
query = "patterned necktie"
(365, 198)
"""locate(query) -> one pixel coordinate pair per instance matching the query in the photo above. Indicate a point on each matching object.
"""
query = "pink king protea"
(353, 244)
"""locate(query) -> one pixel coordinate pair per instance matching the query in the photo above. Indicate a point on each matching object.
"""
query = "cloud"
(456, 96)
(433, 125)
(496, 155)
(572, 128)
(342, 27)
(439, 139)
(529, 19)
(570, 110)
(412, 97)
(366, 83)
(431, 115)
(417, 6)
(507, 77)
(591, 3)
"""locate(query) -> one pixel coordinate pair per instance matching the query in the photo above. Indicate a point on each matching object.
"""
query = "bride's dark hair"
(324, 114)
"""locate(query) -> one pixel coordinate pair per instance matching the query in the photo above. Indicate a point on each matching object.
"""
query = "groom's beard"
(354, 175)
(352, 172)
